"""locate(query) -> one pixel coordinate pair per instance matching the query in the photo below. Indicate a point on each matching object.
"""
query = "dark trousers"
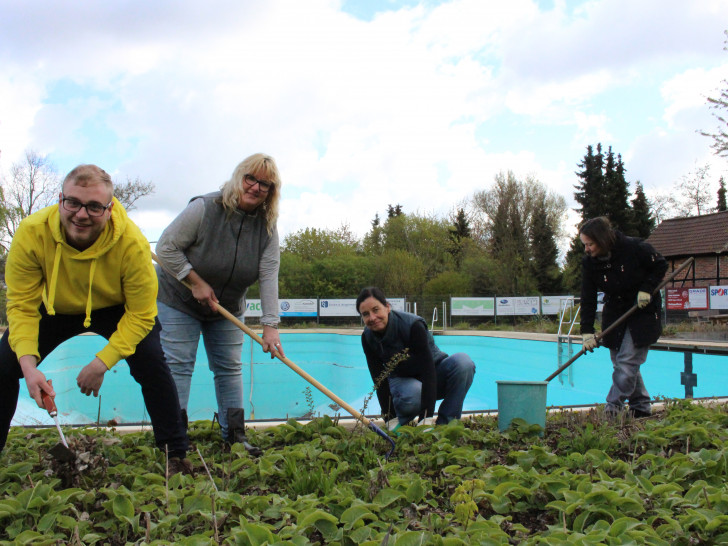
(147, 367)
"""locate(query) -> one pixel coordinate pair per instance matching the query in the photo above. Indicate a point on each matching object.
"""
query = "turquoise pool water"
(337, 361)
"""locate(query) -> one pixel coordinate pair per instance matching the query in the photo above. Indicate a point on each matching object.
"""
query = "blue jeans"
(223, 344)
(454, 377)
(627, 383)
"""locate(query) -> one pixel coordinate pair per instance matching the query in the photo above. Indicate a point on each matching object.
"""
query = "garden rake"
(305, 375)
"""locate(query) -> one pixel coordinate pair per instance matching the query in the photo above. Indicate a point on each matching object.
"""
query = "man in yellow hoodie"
(83, 266)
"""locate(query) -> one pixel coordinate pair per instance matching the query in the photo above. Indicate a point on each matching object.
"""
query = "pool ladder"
(565, 348)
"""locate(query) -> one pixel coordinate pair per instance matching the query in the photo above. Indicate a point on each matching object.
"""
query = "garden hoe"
(60, 451)
(228, 315)
(620, 320)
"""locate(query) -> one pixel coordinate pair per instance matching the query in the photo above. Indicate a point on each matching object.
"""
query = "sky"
(363, 104)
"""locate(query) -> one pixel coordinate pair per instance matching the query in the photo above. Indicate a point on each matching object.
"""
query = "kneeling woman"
(427, 375)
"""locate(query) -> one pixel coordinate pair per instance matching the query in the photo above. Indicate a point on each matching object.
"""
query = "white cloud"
(404, 108)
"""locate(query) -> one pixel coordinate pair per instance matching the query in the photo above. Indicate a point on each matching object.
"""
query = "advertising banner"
(253, 309)
(396, 303)
(505, 307)
(680, 299)
(552, 305)
(719, 297)
(338, 308)
(526, 305)
(474, 307)
(297, 308)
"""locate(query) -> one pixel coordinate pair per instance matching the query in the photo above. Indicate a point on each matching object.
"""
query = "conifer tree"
(590, 192)
(617, 194)
(721, 196)
(642, 217)
(544, 251)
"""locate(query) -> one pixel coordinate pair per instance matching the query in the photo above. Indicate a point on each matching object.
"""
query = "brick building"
(703, 237)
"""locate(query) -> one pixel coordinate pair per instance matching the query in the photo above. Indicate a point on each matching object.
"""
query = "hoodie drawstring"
(87, 320)
(54, 279)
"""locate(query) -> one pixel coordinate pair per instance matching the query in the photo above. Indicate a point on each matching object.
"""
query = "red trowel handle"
(48, 402)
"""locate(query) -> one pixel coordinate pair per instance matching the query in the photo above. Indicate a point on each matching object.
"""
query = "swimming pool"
(336, 360)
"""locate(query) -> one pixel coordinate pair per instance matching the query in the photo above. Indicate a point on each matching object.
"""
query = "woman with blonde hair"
(222, 243)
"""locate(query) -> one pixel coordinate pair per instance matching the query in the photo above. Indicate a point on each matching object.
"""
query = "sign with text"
(474, 307)
(527, 305)
(680, 299)
(719, 297)
(505, 307)
(338, 308)
(553, 305)
(253, 308)
(397, 304)
(297, 307)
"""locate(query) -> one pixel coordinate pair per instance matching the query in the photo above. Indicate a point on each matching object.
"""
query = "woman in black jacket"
(627, 270)
(413, 386)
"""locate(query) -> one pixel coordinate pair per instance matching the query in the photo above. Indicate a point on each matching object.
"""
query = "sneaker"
(179, 465)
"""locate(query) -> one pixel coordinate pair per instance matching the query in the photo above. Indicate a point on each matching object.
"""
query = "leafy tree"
(545, 252)
(719, 105)
(506, 214)
(341, 276)
(642, 218)
(424, 236)
(399, 272)
(452, 283)
(721, 196)
(695, 192)
(571, 273)
(374, 239)
(33, 184)
(129, 192)
(294, 277)
(313, 244)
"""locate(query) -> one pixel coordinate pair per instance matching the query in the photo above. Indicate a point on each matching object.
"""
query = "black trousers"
(147, 366)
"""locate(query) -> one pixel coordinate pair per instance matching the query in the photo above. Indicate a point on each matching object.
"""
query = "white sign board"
(338, 308)
(505, 307)
(397, 303)
(253, 309)
(553, 305)
(473, 307)
(526, 305)
(297, 308)
(719, 297)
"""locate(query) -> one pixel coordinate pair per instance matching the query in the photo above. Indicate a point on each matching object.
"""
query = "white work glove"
(588, 342)
(393, 424)
(643, 298)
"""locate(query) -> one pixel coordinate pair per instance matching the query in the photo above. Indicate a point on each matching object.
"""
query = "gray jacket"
(230, 251)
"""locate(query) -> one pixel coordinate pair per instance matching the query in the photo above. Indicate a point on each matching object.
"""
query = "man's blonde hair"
(89, 175)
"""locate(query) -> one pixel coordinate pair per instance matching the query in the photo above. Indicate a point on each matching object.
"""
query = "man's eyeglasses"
(251, 181)
(92, 208)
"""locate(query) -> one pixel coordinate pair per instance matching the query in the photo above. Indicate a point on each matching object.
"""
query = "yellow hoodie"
(116, 270)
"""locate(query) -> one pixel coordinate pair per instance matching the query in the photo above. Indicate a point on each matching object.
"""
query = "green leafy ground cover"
(660, 480)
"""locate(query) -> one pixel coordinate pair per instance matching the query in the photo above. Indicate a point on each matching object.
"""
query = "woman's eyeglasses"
(251, 181)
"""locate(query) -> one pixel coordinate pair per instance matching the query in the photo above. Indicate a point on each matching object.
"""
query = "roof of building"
(692, 236)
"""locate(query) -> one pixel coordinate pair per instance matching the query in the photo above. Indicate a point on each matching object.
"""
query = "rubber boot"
(236, 430)
(185, 420)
